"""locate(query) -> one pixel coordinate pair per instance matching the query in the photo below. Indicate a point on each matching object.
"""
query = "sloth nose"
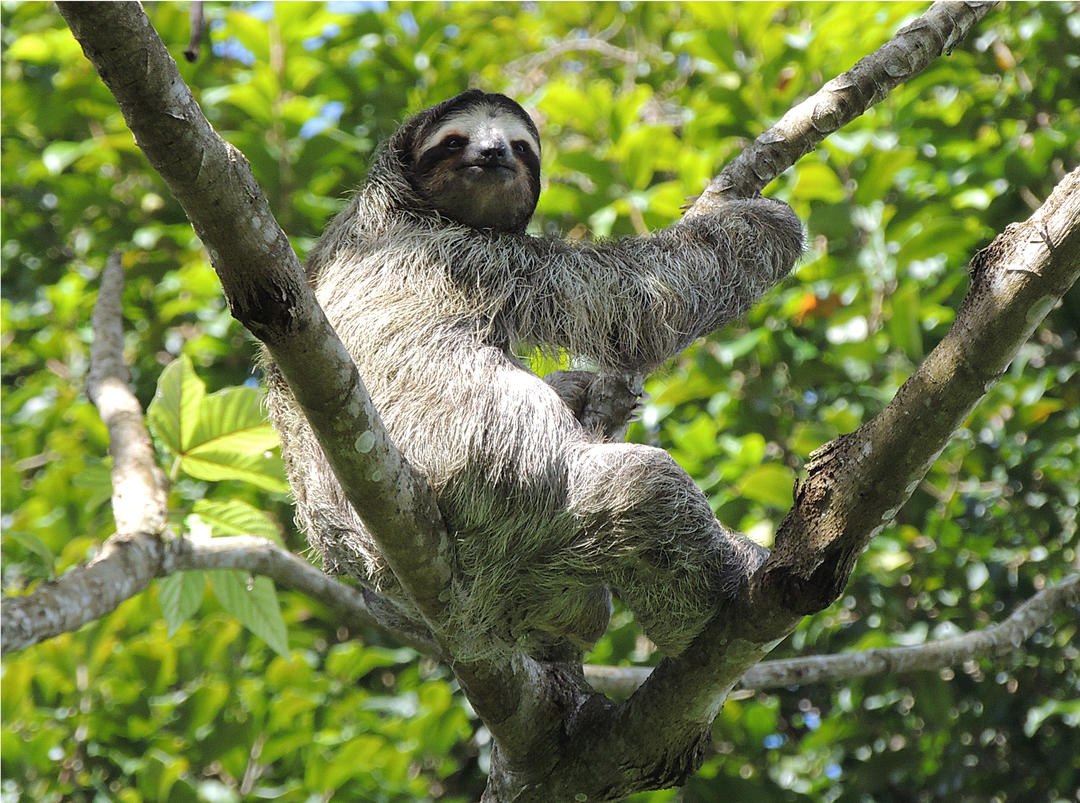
(493, 152)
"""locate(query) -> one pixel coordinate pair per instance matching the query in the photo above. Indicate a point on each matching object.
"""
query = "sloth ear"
(401, 143)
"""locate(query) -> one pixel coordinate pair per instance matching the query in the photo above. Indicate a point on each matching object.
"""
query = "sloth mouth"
(487, 170)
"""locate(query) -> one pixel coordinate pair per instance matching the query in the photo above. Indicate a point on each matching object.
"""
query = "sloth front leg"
(602, 403)
(668, 558)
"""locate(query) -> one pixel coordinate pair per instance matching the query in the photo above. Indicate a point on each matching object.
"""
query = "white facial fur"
(476, 122)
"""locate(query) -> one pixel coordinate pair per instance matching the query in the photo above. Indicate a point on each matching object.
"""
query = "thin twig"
(198, 26)
(139, 487)
(139, 552)
(1001, 639)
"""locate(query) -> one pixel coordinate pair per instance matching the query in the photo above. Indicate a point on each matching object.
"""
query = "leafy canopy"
(639, 105)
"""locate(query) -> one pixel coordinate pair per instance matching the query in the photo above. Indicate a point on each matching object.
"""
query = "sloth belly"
(497, 454)
(495, 442)
(490, 436)
(479, 425)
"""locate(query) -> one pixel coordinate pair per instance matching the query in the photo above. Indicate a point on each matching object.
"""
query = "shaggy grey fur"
(545, 517)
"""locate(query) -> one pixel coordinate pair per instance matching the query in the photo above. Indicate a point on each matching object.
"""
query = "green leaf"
(59, 155)
(259, 470)
(818, 181)
(252, 33)
(232, 420)
(759, 721)
(1037, 715)
(180, 595)
(223, 436)
(236, 517)
(33, 544)
(47, 46)
(974, 198)
(174, 411)
(673, 391)
(769, 484)
(904, 327)
(881, 171)
(351, 661)
(96, 479)
(730, 351)
(936, 231)
(254, 603)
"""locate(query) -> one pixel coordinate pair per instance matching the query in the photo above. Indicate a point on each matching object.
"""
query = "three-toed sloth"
(433, 286)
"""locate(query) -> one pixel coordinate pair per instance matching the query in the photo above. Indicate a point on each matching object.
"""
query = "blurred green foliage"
(639, 105)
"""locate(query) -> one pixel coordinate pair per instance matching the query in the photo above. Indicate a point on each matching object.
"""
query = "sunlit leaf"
(180, 595)
(254, 602)
(769, 484)
(236, 517)
(232, 420)
(904, 324)
(817, 181)
(174, 411)
(59, 155)
(259, 470)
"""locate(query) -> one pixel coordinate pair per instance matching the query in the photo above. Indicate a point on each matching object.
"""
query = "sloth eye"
(455, 142)
(520, 146)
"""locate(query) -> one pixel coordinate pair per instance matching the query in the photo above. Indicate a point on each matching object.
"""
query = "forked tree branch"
(126, 562)
(267, 291)
(857, 483)
(140, 550)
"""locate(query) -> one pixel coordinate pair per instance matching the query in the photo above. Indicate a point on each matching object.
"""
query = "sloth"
(435, 288)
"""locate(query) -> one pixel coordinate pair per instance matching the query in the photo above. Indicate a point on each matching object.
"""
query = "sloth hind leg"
(667, 556)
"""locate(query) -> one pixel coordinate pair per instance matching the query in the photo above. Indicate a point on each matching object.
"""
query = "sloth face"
(476, 158)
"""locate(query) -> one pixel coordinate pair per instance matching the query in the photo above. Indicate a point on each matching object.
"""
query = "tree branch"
(125, 566)
(267, 291)
(856, 484)
(846, 97)
(198, 29)
(126, 563)
(356, 608)
(138, 552)
(269, 294)
(997, 640)
(139, 499)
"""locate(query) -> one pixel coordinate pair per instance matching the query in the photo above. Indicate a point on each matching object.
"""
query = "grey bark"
(996, 640)
(141, 549)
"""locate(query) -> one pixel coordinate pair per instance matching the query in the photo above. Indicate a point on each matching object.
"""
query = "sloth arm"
(635, 302)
